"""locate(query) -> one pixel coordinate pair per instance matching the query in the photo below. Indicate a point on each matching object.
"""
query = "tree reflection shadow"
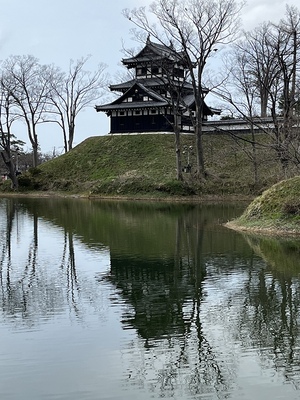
(69, 265)
(165, 296)
(30, 293)
(271, 312)
(181, 282)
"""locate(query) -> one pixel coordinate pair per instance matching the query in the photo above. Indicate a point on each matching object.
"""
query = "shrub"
(25, 181)
(34, 171)
(177, 188)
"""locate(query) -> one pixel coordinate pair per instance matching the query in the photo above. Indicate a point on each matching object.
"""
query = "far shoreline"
(184, 199)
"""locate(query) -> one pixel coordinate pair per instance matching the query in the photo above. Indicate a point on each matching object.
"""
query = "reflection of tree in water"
(270, 315)
(170, 307)
(31, 292)
(68, 264)
(167, 284)
(164, 297)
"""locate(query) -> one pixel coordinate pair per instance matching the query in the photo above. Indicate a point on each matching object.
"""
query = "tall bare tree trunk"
(178, 148)
(35, 160)
(199, 139)
(10, 165)
(199, 151)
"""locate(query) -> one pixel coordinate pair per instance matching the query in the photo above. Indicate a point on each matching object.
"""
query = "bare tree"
(9, 145)
(25, 80)
(285, 41)
(195, 28)
(288, 45)
(270, 60)
(261, 63)
(243, 82)
(72, 92)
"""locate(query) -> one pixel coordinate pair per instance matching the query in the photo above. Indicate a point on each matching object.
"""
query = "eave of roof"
(158, 100)
(148, 82)
(132, 106)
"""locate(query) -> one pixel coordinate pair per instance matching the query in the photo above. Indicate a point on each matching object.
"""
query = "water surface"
(113, 300)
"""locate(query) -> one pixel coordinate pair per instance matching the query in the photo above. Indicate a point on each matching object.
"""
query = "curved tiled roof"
(155, 51)
(156, 102)
(132, 106)
(149, 83)
(119, 103)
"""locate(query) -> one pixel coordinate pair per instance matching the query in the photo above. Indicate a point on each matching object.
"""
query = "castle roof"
(155, 52)
(154, 99)
(153, 82)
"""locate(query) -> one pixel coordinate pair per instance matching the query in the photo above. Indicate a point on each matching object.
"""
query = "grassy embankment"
(276, 211)
(144, 166)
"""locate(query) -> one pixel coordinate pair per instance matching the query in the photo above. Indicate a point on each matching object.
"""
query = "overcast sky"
(56, 31)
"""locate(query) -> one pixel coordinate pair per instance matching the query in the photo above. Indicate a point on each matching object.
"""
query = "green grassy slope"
(277, 209)
(146, 165)
(110, 156)
(114, 164)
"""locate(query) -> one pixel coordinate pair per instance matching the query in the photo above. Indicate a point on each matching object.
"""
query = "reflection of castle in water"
(163, 259)
(157, 290)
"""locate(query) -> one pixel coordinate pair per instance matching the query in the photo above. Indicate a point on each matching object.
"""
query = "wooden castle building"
(147, 103)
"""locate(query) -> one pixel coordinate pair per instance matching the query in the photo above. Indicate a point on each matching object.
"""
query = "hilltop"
(144, 165)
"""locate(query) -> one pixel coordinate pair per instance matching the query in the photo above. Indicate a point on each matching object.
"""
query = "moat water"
(115, 300)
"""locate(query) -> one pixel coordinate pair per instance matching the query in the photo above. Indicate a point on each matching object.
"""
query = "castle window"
(141, 71)
(179, 72)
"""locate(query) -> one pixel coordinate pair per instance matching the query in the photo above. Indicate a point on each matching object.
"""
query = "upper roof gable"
(155, 51)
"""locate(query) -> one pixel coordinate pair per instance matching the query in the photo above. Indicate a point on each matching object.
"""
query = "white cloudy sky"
(56, 31)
